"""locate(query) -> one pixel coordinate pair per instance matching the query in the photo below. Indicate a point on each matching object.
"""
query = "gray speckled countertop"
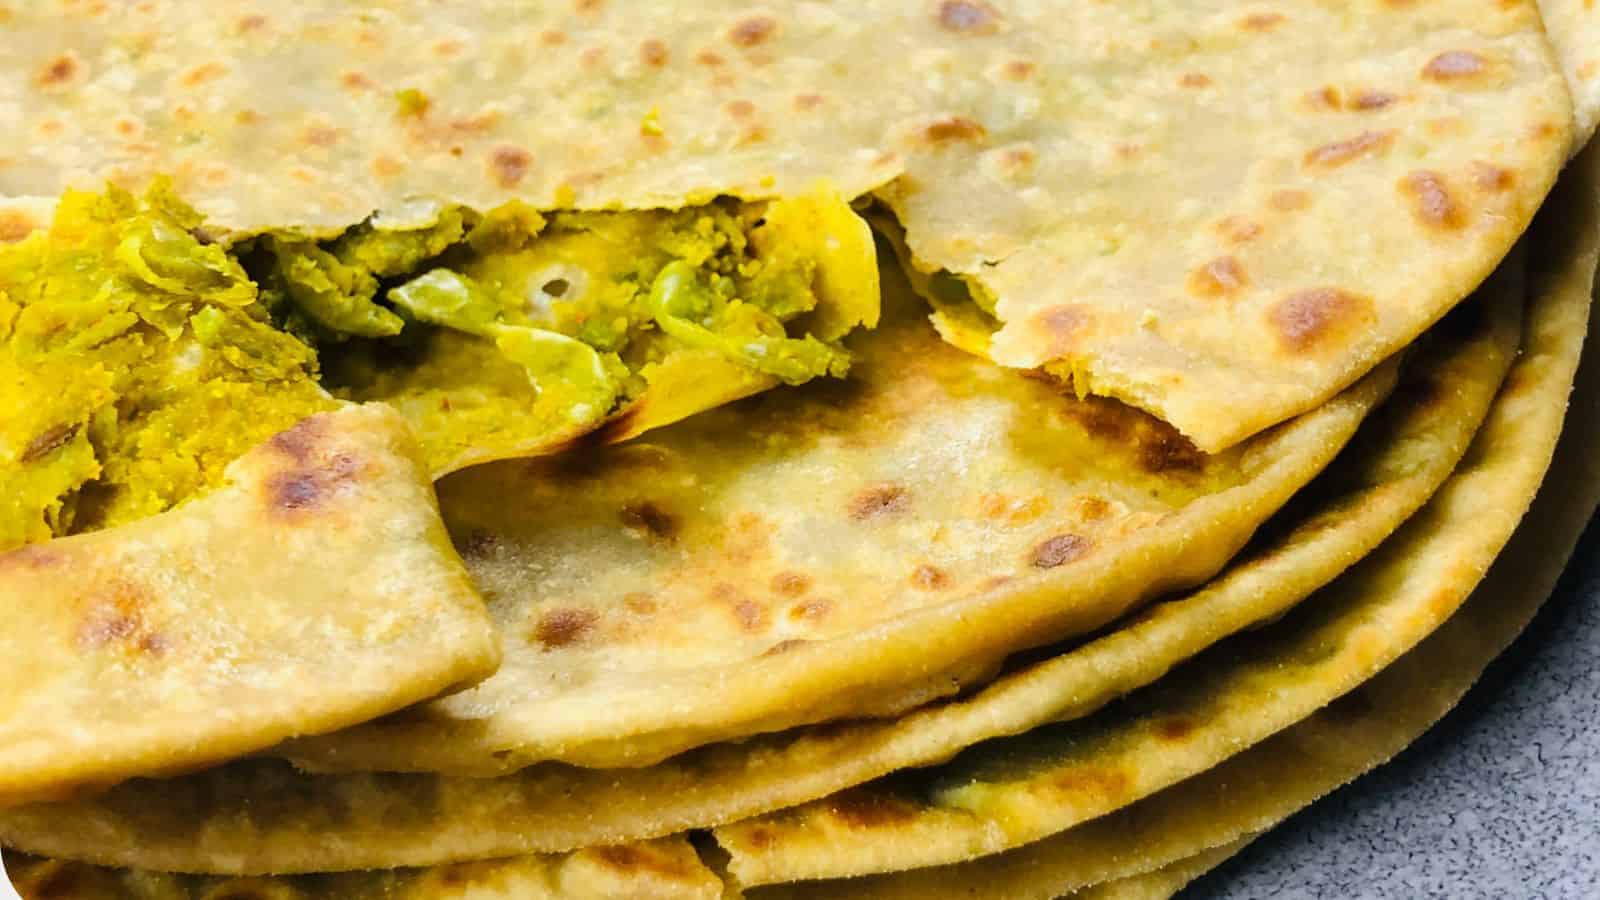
(1501, 799)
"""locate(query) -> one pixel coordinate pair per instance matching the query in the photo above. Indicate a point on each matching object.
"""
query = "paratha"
(1020, 790)
(1156, 201)
(315, 589)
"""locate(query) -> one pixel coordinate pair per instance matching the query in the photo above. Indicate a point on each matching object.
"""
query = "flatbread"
(1574, 29)
(317, 588)
(263, 817)
(1170, 228)
(667, 869)
(1020, 790)
(844, 550)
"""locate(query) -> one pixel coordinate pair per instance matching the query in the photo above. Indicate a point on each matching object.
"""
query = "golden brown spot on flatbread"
(812, 609)
(1195, 80)
(633, 858)
(929, 578)
(807, 101)
(1306, 321)
(1431, 202)
(552, 37)
(1368, 143)
(1454, 65)
(49, 441)
(588, 7)
(509, 165)
(301, 441)
(739, 109)
(1018, 69)
(477, 123)
(1091, 508)
(1370, 100)
(753, 31)
(60, 72)
(117, 615)
(1064, 324)
(1060, 550)
(314, 476)
(126, 127)
(319, 136)
(1238, 229)
(1014, 161)
(1014, 510)
(790, 584)
(879, 501)
(304, 490)
(864, 808)
(646, 517)
(969, 17)
(15, 226)
(387, 166)
(752, 134)
(954, 128)
(247, 24)
(1265, 21)
(1490, 177)
(1103, 784)
(1221, 277)
(592, 57)
(1289, 200)
(564, 627)
(653, 52)
(202, 73)
(750, 614)
(1327, 97)
(709, 57)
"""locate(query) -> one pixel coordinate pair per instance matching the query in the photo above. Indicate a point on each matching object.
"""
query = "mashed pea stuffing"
(138, 359)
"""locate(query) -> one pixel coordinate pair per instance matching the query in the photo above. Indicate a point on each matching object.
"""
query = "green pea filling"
(138, 359)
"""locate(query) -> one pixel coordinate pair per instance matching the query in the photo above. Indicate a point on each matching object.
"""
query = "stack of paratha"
(1152, 464)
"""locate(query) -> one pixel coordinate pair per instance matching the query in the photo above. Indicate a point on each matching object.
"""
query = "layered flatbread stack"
(897, 448)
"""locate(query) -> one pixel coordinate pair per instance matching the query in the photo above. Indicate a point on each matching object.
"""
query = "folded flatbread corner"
(316, 588)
